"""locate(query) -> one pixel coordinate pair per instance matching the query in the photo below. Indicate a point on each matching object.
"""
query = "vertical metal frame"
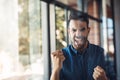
(85, 5)
(117, 34)
(80, 4)
(104, 26)
(66, 19)
(114, 40)
(46, 39)
(52, 27)
(52, 31)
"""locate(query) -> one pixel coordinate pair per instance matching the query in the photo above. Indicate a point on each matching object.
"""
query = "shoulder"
(96, 50)
(67, 50)
(95, 47)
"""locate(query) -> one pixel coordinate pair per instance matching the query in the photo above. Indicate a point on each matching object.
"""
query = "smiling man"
(81, 60)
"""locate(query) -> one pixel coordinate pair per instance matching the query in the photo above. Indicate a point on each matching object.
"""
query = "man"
(80, 60)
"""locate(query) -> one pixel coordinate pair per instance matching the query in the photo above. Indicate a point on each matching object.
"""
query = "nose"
(78, 33)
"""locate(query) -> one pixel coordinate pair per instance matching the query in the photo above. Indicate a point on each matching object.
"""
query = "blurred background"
(31, 29)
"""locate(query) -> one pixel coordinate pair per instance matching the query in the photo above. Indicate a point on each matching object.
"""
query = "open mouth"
(77, 41)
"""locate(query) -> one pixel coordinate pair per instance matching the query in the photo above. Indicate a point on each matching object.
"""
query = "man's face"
(78, 32)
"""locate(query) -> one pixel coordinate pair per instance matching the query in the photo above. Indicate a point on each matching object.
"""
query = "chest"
(79, 68)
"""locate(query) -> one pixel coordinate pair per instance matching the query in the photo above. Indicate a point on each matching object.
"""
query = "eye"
(83, 29)
(74, 30)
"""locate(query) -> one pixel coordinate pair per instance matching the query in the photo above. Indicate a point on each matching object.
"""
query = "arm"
(99, 74)
(57, 60)
(99, 71)
(55, 75)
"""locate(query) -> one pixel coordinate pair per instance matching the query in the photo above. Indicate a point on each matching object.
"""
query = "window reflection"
(74, 4)
(21, 54)
(60, 28)
(30, 52)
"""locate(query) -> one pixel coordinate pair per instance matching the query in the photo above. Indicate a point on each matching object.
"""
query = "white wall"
(9, 31)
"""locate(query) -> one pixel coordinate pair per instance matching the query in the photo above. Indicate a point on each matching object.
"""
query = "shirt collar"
(74, 51)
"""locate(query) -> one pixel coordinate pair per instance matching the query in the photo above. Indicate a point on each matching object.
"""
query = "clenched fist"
(57, 59)
(99, 73)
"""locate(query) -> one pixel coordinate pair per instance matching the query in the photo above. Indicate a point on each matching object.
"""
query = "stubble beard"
(79, 44)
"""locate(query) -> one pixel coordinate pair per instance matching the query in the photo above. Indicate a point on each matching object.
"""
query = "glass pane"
(30, 40)
(73, 4)
(94, 35)
(110, 41)
(61, 29)
(110, 36)
(93, 8)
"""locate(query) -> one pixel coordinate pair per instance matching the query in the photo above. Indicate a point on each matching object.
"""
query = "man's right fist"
(57, 59)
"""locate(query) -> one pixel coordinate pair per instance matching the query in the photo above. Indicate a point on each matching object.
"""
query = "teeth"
(77, 39)
(76, 43)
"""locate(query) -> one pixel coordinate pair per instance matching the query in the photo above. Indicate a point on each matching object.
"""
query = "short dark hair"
(78, 16)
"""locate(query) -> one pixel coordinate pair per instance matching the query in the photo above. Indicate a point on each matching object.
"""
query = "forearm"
(57, 59)
(55, 75)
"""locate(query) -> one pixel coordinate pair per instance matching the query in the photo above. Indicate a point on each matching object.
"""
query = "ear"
(88, 30)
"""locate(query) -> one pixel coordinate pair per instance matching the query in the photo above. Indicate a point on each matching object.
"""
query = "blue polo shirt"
(80, 66)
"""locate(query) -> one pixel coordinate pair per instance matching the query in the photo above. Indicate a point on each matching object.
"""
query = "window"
(21, 56)
(30, 39)
(31, 29)
(61, 28)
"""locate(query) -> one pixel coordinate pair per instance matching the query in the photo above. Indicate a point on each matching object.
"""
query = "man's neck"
(84, 47)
